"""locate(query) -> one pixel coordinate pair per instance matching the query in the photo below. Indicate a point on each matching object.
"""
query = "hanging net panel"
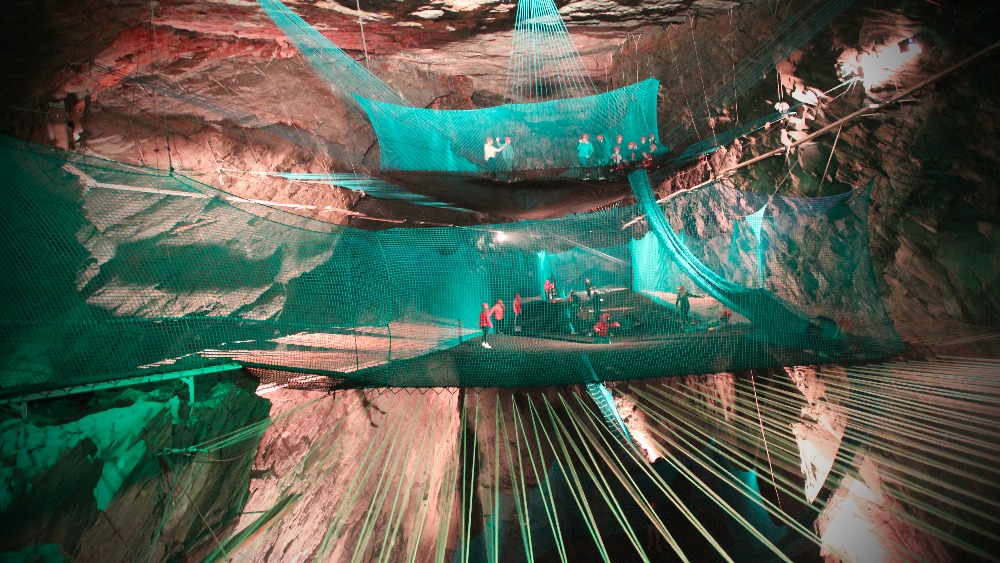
(116, 271)
(517, 137)
(339, 70)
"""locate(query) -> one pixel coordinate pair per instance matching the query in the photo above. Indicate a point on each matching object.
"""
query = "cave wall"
(109, 476)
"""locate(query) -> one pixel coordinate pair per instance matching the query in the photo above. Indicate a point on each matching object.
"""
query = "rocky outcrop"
(115, 478)
(363, 465)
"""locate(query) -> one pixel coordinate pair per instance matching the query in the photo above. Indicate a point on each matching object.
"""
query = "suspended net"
(557, 107)
(515, 137)
(116, 271)
(338, 69)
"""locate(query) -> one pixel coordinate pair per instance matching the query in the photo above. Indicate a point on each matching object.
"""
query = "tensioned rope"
(600, 482)
(900, 471)
(544, 63)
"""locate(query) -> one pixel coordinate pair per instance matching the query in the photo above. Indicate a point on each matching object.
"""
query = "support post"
(190, 383)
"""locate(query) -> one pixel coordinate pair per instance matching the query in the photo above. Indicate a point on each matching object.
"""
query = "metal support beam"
(186, 375)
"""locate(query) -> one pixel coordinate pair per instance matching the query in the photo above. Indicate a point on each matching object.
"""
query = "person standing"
(490, 152)
(590, 288)
(584, 150)
(506, 156)
(485, 324)
(517, 312)
(550, 290)
(599, 156)
(616, 157)
(498, 311)
(683, 304)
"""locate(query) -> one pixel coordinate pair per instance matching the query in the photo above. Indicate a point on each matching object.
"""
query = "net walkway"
(115, 271)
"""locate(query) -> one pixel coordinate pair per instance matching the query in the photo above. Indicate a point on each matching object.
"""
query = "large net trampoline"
(115, 270)
(538, 136)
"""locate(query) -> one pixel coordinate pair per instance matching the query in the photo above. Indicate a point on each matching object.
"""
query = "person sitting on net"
(603, 328)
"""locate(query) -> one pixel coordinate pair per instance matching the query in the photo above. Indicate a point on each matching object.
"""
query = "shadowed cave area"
(323, 281)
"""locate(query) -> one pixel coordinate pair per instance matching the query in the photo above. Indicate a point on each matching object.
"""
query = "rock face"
(113, 480)
(363, 466)
(210, 78)
(214, 91)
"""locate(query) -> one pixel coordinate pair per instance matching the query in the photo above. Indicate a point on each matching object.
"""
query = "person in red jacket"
(603, 328)
(517, 312)
(497, 311)
(485, 324)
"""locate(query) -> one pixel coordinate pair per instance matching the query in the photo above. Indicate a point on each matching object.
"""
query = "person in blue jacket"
(584, 150)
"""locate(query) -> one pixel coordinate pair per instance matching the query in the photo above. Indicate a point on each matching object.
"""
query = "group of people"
(498, 154)
(495, 318)
(498, 313)
(600, 152)
(601, 330)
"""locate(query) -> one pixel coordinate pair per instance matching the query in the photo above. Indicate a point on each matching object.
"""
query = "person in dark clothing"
(683, 305)
(599, 155)
(590, 288)
(506, 156)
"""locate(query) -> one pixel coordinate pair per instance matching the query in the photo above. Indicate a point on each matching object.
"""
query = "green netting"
(538, 136)
(544, 62)
(338, 69)
(115, 270)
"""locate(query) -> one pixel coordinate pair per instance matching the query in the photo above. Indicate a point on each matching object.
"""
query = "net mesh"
(117, 271)
(514, 137)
